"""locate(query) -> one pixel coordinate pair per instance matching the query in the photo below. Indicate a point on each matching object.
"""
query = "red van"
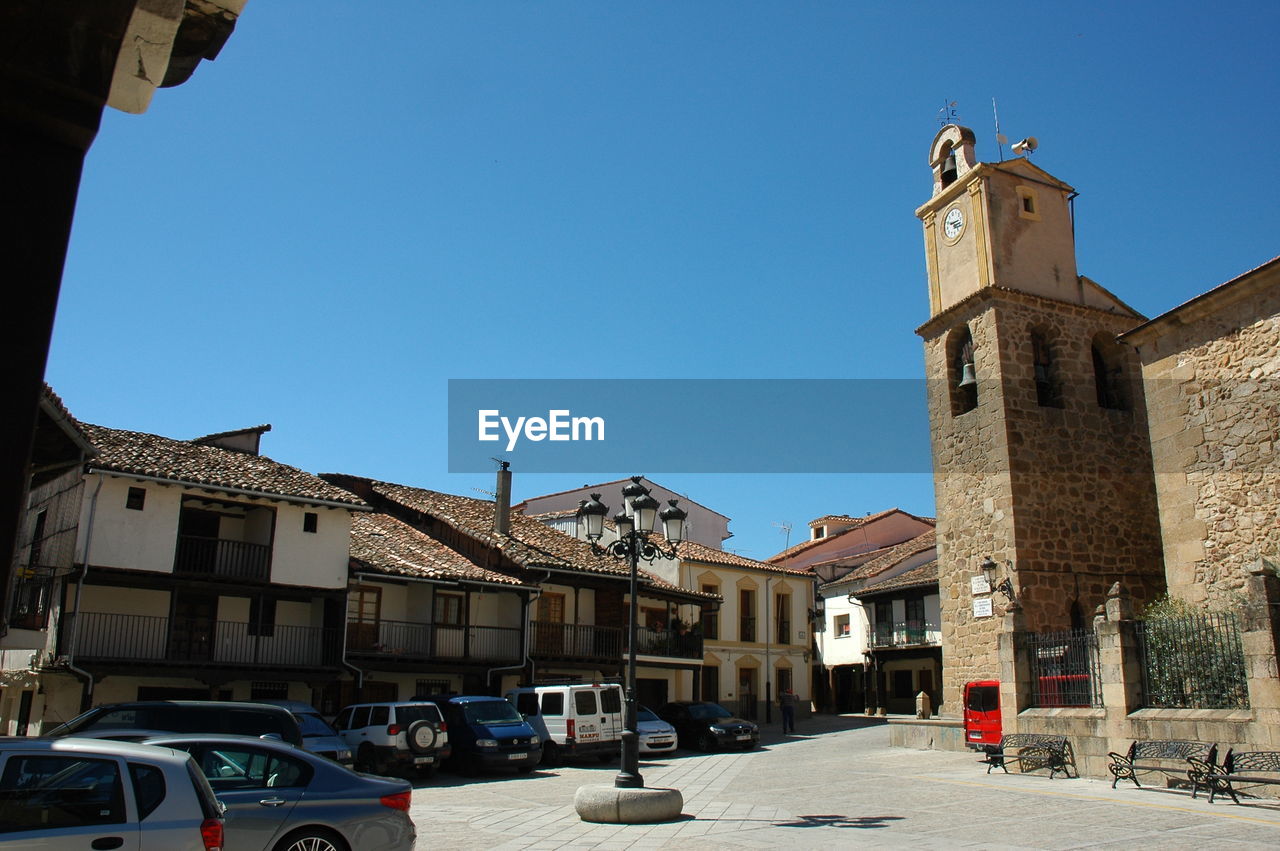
(982, 713)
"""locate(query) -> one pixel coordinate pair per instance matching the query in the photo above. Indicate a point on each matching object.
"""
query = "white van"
(578, 719)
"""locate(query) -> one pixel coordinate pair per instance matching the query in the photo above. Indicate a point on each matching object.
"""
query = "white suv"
(70, 793)
(394, 737)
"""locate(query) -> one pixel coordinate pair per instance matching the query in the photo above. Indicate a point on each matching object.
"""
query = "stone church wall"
(1213, 390)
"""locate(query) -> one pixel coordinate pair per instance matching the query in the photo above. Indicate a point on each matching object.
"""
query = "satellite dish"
(1000, 137)
(1026, 146)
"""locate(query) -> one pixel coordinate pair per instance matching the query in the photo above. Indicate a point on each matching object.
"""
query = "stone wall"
(1213, 387)
(1063, 493)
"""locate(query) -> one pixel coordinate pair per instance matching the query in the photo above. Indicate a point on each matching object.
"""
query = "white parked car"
(656, 735)
(72, 793)
(573, 720)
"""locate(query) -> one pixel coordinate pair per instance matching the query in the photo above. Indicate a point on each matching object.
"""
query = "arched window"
(961, 378)
(1047, 379)
(1108, 374)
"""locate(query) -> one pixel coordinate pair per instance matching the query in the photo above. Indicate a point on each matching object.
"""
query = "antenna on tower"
(490, 494)
(785, 527)
(948, 114)
(1000, 139)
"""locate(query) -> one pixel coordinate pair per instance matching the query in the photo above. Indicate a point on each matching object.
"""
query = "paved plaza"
(837, 784)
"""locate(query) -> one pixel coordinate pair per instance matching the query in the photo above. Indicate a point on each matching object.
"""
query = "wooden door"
(192, 626)
(549, 624)
(364, 611)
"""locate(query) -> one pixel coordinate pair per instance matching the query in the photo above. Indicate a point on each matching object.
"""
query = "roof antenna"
(1000, 139)
(948, 114)
(785, 527)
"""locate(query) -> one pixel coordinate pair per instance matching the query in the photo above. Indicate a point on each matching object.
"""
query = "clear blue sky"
(359, 201)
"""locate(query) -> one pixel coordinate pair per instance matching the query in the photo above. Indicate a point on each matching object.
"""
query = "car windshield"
(643, 714)
(406, 715)
(491, 712)
(708, 711)
(314, 725)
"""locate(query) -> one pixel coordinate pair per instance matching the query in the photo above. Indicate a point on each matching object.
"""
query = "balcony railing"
(222, 558)
(784, 632)
(746, 629)
(580, 641)
(903, 634)
(409, 640)
(664, 642)
(107, 637)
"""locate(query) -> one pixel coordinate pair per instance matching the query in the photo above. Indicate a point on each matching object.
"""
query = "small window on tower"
(1028, 208)
(310, 521)
(136, 499)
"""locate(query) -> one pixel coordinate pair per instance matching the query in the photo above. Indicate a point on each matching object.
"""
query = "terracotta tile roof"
(57, 411)
(382, 544)
(693, 551)
(849, 559)
(896, 555)
(529, 544)
(858, 522)
(604, 487)
(917, 577)
(835, 518)
(191, 463)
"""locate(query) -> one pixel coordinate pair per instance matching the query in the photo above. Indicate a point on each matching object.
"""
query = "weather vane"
(948, 114)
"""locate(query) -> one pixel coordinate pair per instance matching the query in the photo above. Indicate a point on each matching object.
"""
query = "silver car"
(282, 798)
(72, 793)
(656, 735)
(317, 735)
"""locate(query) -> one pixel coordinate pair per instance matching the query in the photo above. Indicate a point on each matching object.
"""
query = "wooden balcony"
(664, 642)
(904, 634)
(577, 641)
(105, 637)
(222, 558)
(410, 641)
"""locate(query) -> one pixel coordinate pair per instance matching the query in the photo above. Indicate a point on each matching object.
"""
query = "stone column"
(1260, 637)
(1119, 665)
(1015, 669)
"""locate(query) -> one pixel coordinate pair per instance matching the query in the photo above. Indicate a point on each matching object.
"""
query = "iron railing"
(746, 629)
(1193, 662)
(665, 642)
(903, 634)
(1064, 668)
(410, 640)
(783, 635)
(111, 637)
(222, 558)
(579, 641)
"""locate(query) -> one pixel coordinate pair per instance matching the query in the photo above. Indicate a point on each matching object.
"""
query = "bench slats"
(1168, 756)
(1035, 750)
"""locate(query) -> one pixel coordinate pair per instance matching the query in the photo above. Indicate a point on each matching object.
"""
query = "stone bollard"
(924, 706)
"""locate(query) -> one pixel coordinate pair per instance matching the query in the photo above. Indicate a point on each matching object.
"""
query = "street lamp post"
(632, 545)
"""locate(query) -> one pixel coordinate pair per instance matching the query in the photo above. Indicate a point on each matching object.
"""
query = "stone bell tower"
(1040, 448)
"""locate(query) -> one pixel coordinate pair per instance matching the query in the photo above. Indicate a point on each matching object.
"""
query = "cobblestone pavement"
(837, 784)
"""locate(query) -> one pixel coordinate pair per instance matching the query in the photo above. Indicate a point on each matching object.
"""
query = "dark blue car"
(487, 732)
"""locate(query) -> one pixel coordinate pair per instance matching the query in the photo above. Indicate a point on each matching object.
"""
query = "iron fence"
(1064, 668)
(1193, 662)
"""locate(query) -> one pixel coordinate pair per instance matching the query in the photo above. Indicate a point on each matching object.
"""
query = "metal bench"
(1168, 756)
(1243, 769)
(1031, 751)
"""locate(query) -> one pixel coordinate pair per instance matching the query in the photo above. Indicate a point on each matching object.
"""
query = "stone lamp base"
(611, 805)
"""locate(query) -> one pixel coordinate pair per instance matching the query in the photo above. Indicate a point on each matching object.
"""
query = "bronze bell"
(967, 378)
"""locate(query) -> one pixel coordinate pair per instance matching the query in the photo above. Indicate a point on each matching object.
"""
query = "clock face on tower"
(953, 224)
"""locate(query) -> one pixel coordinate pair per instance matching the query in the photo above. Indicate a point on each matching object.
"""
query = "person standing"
(787, 702)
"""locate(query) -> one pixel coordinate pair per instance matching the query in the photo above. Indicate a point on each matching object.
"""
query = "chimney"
(502, 510)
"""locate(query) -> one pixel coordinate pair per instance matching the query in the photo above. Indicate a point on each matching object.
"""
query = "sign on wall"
(979, 585)
(982, 607)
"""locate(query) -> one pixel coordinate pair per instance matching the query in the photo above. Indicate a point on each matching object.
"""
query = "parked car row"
(276, 777)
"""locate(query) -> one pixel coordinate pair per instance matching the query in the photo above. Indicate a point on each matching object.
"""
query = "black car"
(148, 717)
(709, 726)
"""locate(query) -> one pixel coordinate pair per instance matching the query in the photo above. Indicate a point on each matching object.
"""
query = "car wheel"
(706, 742)
(421, 736)
(312, 839)
(551, 754)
